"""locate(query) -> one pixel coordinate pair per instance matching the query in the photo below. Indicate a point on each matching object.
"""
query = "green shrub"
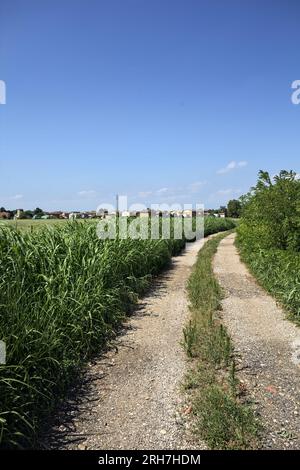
(271, 212)
(269, 236)
(62, 294)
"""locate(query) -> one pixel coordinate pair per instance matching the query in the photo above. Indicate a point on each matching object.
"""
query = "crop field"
(63, 293)
(32, 225)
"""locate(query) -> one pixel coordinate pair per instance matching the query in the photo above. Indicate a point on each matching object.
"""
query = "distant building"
(144, 214)
(189, 213)
(74, 215)
(101, 213)
(165, 214)
(19, 213)
(110, 215)
(55, 214)
(5, 215)
(158, 213)
(178, 213)
(125, 214)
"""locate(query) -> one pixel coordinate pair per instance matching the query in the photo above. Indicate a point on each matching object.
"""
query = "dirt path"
(132, 395)
(269, 349)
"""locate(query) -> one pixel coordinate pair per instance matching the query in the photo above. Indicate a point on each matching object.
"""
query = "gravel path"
(131, 397)
(268, 349)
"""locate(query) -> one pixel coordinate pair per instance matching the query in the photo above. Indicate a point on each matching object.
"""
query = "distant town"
(40, 214)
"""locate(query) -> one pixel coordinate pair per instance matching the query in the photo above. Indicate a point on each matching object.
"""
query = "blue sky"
(165, 101)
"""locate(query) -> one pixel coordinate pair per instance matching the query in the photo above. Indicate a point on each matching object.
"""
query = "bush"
(269, 236)
(271, 212)
(215, 224)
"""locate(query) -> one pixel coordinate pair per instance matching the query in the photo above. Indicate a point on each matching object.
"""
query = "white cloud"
(162, 191)
(175, 192)
(87, 193)
(17, 196)
(233, 165)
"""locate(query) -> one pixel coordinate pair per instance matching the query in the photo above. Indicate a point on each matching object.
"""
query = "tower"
(117, 204)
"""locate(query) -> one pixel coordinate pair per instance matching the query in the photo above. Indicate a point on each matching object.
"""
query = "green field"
(29, 224)
(63, 292)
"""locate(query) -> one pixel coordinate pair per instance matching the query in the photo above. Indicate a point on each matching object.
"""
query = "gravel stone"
(132, 398)
(268, 345)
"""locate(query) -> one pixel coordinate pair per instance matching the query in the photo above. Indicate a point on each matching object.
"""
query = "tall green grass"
(62, 294)
(215, 224)
(278, 271)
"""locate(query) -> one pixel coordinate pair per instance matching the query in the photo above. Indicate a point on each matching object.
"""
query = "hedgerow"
(269, 236)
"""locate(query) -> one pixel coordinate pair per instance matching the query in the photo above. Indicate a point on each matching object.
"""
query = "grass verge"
(223, 417)
(277, 271)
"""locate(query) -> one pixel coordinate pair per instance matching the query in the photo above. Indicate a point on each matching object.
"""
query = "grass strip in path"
(223, 418)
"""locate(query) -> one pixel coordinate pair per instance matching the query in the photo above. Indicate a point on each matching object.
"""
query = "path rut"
(132, 400)
(267, 347)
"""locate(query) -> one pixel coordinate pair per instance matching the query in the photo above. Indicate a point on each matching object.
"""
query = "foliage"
(38, 211)
(234, 208)
(271, 212)
(215, 224)
(28, 214)
(63, 293)
(278, 271)
(269, 236)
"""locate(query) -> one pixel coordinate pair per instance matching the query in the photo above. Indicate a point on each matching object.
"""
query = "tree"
(38, 212)
(2, 209)
(28, 214)
(234, 208)
(271, 211)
